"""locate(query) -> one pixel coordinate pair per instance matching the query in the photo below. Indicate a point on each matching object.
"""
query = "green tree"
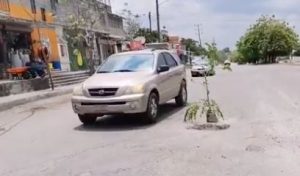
(212, 54)
(131, 23)
(193, 47)
(223, 55)
(226, 50)
(237, 57)
(297, 51)
(266, 40)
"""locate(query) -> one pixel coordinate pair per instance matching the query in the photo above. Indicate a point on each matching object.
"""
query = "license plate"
(103, 108)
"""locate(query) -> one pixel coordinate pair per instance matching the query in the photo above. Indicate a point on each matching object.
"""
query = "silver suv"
(131, 83)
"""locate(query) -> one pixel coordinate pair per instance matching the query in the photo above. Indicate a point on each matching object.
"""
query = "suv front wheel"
(181, 99)
(152, 108)
(87, 119)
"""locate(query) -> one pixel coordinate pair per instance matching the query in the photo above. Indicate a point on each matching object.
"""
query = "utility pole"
(150, 21)
(46, 60)
(199, 35)
(158, 20)
(189, 53)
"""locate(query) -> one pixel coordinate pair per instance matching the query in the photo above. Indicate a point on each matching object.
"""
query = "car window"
(128, 63)
(161, 61)
(177, 58)
(170, 60)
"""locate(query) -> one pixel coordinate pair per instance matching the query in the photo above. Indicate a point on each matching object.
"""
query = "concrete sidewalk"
(20, 99)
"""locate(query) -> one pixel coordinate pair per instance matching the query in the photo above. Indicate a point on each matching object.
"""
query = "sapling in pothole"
(208, 108)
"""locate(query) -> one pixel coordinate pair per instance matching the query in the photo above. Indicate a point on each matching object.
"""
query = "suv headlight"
(135, 89)
(78, 90)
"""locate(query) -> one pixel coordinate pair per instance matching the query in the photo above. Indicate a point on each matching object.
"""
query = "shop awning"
(16, 27)
(117, 37)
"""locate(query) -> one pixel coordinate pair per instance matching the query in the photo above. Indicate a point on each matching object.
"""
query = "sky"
(222, 21)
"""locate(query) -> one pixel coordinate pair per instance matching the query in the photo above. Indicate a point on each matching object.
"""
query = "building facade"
(26, 26)
(108, 29)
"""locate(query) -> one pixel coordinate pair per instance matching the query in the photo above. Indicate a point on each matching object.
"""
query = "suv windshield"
(128, 63)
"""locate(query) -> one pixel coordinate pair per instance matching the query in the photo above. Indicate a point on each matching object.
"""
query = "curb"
(22, 101)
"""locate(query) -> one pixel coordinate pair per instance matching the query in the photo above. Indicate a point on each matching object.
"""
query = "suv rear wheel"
(152, 108)
(87, 119)
(181, 99)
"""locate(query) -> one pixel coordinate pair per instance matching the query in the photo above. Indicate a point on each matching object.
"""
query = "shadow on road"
(128, 122)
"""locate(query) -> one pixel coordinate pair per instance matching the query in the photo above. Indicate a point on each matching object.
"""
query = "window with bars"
(53, 4)
(43, 13)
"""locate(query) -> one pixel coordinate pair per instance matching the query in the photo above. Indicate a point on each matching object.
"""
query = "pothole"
(38, 108)
(34, 109)
(254, 148)
(210, 126)
(85, 174)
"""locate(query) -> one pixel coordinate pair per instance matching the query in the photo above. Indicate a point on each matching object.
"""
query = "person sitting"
(37, 68)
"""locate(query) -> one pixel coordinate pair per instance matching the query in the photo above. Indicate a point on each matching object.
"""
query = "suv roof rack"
(151, 49)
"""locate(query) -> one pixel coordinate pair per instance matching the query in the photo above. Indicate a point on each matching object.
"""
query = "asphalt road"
(261, 103)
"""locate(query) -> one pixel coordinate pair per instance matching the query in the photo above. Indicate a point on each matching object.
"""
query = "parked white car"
(201, 68)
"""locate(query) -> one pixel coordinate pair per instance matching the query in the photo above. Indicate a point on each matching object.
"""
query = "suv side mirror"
(163, 68)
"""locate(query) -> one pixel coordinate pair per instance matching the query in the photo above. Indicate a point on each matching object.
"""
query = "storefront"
(21, 41)
(15, 47)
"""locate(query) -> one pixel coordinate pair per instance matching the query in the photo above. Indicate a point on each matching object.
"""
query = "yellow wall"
(20, 12)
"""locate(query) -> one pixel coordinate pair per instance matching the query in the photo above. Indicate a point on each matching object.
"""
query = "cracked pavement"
(261, 103)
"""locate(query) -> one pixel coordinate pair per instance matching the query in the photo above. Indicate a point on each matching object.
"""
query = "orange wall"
(21, 12)
(45, 33)
(18, 11)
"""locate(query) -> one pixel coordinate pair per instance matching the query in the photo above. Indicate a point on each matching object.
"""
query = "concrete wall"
(296, 58)
(23, 86)
(109, 23)
(115, 24)
(64, 10)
